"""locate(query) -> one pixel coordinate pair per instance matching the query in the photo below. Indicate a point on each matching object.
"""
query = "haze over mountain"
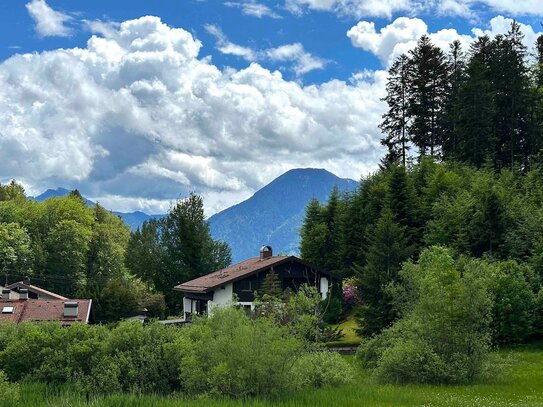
(132, 219)
(274, 214)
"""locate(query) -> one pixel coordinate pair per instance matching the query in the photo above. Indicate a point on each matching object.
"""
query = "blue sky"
(138, 102)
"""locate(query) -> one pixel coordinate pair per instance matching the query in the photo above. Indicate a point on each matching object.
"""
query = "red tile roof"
(230, 274)
(44, 310)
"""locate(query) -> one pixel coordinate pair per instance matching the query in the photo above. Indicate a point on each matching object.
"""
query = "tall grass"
(514, 379)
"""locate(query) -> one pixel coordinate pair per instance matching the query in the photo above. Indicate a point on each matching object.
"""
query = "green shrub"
(231, 354)
(443, 335)
(412, 360)
(514, 304)
(9, 391)
(319, 369)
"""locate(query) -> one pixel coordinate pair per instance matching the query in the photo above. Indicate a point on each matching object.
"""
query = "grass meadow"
(515, 378)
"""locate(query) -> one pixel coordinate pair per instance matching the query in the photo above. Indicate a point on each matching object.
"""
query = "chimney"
(23, 294)
(6, 294)
(265, 252)
(71, 309)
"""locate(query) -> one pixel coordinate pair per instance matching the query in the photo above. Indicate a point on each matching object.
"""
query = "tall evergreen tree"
(312, 233)
(474, 132)
(402, 202)
(396, 120)
(511, 85)
(429, 88)
(457, 73)
(389, 248)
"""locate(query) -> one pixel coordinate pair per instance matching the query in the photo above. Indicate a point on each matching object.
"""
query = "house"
(34, 292)
(241, 280)
(66, 312)
(21, 302)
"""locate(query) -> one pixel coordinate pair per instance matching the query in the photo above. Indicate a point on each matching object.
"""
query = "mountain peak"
(275, 212)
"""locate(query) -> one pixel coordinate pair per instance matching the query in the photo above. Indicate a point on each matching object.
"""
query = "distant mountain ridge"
(274, 214)
(133, 219)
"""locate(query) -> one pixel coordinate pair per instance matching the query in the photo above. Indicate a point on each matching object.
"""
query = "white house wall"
(324, 287)
(221, 297)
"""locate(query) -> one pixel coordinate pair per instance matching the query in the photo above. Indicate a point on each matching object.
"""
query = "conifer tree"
(389, 248)
(271, 286)
(396, 120)
(457, 67)
(510, 83)
(402, 202)
(429, 87)
(312, 233)
(474, 132)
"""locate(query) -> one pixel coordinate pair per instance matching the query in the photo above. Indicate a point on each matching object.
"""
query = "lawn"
(349, 329)
(514, 379)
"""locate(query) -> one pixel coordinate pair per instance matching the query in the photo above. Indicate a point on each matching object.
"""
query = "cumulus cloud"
(136, 118)
(402, 34)
(301, 60)
(254, 9)
(49, 22)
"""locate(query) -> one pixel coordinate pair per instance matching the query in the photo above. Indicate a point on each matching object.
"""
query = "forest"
(441, 252)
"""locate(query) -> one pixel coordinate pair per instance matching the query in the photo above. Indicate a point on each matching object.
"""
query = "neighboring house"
(34, 293)
(21, 302)
(241, 280)
(66, 312)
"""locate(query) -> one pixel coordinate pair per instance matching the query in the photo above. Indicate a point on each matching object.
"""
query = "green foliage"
(228, 354)
(12, 192)
(232, 355)
(68, 247)
(9, 391)
(301, 313)
(483, 109)
(389, 248)
(444, 333)
(15, 250)
(333, 305)
(176, 249)
(320, 369)
(271, 285)
(514, 304)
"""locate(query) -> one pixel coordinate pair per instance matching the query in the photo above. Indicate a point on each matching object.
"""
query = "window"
(245, 285)
(8, 310)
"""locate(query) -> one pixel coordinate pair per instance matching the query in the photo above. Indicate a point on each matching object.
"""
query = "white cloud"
(402, 34)
(500, 25)
(301, 60)
(227, 47)
(49, 22)
(253, 8)
(136, 118)
(354, 8)
(387, 8)
(515, 7)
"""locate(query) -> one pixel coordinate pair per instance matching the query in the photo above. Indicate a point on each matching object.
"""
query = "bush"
(9, 391)
(230, 354)
(412, 360)
(321, 369)
(227, 354)
(514, 304)
(443, 335)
